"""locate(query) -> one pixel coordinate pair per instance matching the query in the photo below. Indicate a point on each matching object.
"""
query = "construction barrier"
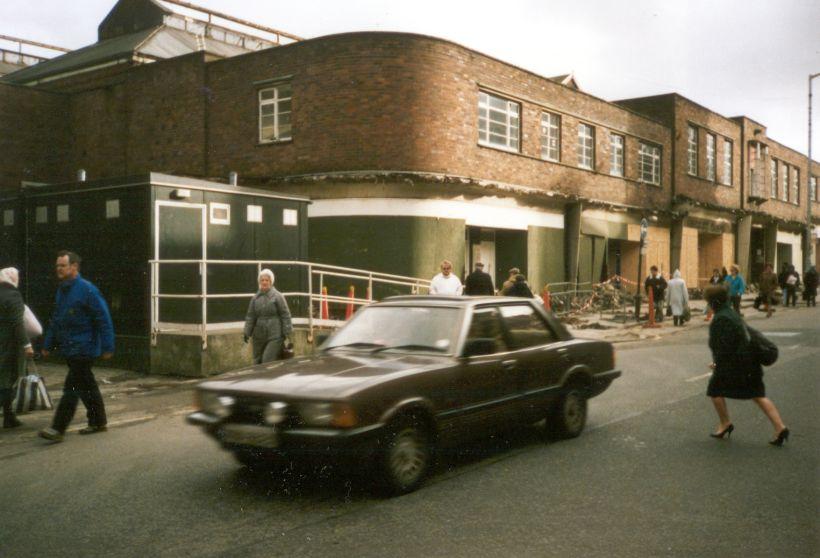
(325, 311)
(349, 309)
(545, 295)
(651, 310)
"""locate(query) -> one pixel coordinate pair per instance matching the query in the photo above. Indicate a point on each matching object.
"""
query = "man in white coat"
(677, 297)
(445, 283)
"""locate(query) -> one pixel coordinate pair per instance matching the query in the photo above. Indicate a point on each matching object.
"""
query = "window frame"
(109, 208)
(794, 196)
(508, 334)
(617, 168)
(812, 188)
(288, 212)
(485, 109)
(711, 157)
(582, 148)
(502, 344)
(41, 215)
(553, 124)
(251, 213)
(277, 113)
(774, 178)
(8, 217)
(219, 220)
(63, 213)
(692, 145)
(655, 157)
(728, 162)
(784, 182)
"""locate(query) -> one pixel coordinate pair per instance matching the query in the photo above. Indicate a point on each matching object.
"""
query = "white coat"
(677, 297)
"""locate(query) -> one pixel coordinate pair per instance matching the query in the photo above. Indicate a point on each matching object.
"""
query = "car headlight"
(215, 404)
(275, 412)
(328, 414)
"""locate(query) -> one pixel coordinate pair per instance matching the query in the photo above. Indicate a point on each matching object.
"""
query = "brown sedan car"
(408, 375)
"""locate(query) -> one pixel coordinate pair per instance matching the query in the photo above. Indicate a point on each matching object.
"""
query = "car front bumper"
(602, 380)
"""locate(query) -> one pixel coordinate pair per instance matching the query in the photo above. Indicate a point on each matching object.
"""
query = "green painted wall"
(545, 256)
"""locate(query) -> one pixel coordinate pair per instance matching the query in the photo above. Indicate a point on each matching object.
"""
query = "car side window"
(525, 327)
(486, 326)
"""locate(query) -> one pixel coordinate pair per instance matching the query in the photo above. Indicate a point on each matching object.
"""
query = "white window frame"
(62, 213)
(290, 217)
(41, 215)
(586, 146)
(274, 130)
(551, 136)
(728, 162)
(8, 217)
(773, 176)
(214, 220)
(649, 163)
(617, 142)
(784, 183)
(507, 116)
(692, 150)
(711, 163)
(112, 209)
(795, 192)
(813, 188)
(254, 214)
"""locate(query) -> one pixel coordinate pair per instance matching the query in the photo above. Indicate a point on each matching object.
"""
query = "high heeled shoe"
(782, 436)
(725, 432)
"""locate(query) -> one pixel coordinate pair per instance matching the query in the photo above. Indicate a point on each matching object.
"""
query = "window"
(812, 190)
(616, 155)
(290, 217)
(550, 136)
(710, 156)
(62, 214)
(784, 188)
(274, 113)
(692, 151)
(795, 197)
(498, 122)
(727, 162)
(41, 215)
(254, 214)
(525, 327)
(8, 217)
(773, 170)
(112, 209)
(485, 326)
(220, 214)
(649, 163)
(586, 146)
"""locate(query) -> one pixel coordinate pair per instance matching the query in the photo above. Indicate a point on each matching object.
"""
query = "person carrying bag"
(32, 394)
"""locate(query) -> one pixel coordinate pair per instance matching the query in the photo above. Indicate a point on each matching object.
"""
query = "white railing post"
(203, 268)
(370, 287)
(310, 300)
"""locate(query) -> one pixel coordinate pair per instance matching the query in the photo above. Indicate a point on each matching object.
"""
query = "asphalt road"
(645, 479)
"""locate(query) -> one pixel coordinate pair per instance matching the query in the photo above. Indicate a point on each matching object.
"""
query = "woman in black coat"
(13, 341)
(737, 373)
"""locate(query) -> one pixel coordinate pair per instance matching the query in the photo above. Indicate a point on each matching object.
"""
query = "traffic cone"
(651, 310)
(325, 314)
(349, 310)
(546, 296)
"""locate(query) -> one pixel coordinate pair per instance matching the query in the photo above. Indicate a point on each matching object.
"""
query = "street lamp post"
(809, 240)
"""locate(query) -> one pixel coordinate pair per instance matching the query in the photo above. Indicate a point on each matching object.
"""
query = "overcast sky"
(736, 57)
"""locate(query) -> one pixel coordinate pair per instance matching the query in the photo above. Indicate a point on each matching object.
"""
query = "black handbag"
(764, 351)
(287, 350)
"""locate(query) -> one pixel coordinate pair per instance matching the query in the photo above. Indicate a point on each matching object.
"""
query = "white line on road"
(793, 347)
(781, 333)
(696, 378)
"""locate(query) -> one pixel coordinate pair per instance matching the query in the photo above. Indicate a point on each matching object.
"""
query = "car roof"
(444, 300)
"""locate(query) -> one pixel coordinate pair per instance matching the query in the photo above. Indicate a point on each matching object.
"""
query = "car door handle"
(564, 352)
(509, 364)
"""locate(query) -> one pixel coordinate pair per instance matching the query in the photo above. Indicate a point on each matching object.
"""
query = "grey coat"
(268, 317)
(12, 336)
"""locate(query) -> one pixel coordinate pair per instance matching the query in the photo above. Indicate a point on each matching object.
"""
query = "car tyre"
(405, 457)
(568, 416)
(254, 460)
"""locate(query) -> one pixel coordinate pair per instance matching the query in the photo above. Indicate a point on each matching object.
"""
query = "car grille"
(251, 410)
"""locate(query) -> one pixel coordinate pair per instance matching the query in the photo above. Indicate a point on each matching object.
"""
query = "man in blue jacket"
(81, 330)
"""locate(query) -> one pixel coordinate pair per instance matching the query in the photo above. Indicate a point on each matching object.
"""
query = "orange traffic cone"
(651, 310)
(349, 310)
(546, 297)
(325, 313)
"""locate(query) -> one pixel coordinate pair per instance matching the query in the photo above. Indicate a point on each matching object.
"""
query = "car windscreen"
(410, 328)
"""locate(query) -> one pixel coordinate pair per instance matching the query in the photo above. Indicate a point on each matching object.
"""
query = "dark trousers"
(791, 294)
(80, 385)
(736, 303)
(811, 300)
(6, 399)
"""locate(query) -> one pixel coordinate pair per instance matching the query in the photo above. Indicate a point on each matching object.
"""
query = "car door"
(487, 383)
(541, 357)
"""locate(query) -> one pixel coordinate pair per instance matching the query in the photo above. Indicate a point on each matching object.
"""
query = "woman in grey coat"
(268, 320)
(14, 344)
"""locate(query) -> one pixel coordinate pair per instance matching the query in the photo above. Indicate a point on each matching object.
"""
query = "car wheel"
(405, 457)
(568, 416)
(253, 460)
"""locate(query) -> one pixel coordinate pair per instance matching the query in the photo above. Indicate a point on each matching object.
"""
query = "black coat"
(12, 335)
(737, 373)
(810, 281)
(658, 286)
(521, 289)
(478, 283)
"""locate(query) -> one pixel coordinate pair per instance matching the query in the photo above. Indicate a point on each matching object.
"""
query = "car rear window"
(525, 327)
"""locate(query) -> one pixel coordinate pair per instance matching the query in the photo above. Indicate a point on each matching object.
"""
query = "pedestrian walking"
(81, 329)
(478, 283)
(736, 286)
(792, 282)
(520, 288)
(30, 322)
(446, 283)
(14, 343)
(508, 284)
(781, 277)
(736, 374)
(768, 286)
(658, 284)
(267, 322)
(677, 297)
(810, 286)
(716, 279)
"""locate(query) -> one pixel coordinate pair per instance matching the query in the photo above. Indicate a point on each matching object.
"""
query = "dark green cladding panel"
(545, 256)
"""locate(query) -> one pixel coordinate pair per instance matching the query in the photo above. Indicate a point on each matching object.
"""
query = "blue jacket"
(81, 324)
(736, 284)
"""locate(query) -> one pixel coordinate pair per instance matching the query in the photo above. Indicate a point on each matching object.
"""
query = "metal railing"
(318, 299)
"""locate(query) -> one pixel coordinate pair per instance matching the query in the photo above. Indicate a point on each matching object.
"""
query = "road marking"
(781, 333)
(696, 378)
(793, 347)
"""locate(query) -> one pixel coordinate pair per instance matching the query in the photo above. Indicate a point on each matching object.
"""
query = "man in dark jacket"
(657, 283)
(810, 286)
(478, 283)
(12, 342)
(81, 329)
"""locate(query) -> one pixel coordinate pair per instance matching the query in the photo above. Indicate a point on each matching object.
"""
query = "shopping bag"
(31, 394)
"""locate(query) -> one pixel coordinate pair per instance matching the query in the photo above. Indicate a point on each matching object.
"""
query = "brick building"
(412, 148)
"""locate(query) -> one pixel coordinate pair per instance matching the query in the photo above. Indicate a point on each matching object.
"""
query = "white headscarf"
(677, 274)
(10, 275)
(264, 273)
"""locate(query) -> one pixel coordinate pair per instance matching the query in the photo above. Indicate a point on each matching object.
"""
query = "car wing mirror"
(479, 346)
